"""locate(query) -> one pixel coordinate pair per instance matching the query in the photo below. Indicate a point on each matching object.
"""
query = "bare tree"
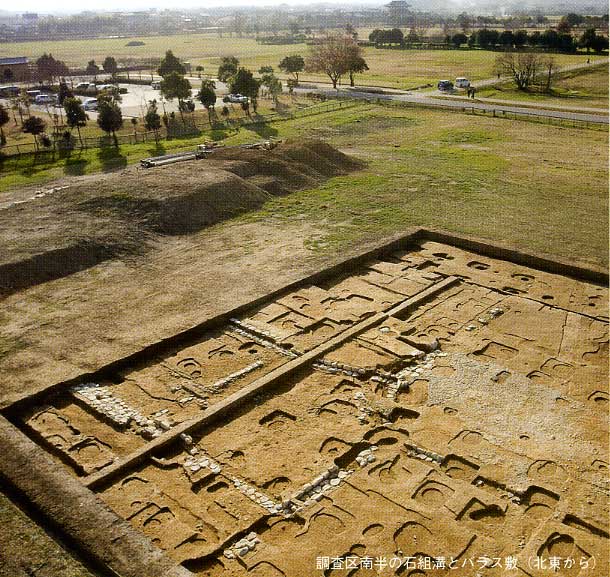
(550, 67)
(523, 67)
(333, 56)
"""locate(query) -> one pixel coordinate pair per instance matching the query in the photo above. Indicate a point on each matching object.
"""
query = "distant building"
(398, 12)
(15, 69)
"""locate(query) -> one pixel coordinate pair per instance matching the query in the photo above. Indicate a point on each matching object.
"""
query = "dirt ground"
(467, 425)
(445, 405)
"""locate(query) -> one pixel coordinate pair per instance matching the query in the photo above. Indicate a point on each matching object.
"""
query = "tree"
(356, 62)
(228, 68)
(109, 117)
(275, 88)
(152, 120)
(600, 44)
(75, 115)
(523, 67)
(245, 83)
(134, 124)
(506, 38)
(175, 85)
(35, 126)
(92, 69)
(564, 26)
(4, 118)
(293, 65)
(64, 92)
(48, 68)
(520, 38)
(487, 38)
(458, 39)
(110, 66)
(199, 70)
(170, 64)
(550, 66)
(207, 96)
(332, 57)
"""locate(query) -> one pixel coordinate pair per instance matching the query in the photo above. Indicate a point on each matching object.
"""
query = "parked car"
(45, 99)
(237, 98)
(156, 85)
(445, 85)
(33, 93)
(90, 104)
(8, 91)
(82, 86)
(462, 82)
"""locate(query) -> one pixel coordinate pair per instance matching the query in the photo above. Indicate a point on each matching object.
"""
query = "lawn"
(587, 88)
(388, 67)
(539, 187)
(535, 186)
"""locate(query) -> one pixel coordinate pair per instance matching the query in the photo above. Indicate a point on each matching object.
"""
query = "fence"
(176, 132)
(525, 115)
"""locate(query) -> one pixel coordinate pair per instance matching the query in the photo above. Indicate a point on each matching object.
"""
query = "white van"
(462, 83)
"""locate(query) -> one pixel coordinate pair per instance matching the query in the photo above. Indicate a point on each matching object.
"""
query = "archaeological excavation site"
(435, 398)
(434, 405)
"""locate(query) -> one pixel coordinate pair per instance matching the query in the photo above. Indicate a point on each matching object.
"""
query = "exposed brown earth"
(433, 402)
(75, 226)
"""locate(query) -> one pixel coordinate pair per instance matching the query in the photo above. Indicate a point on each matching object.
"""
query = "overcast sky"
(125, 5)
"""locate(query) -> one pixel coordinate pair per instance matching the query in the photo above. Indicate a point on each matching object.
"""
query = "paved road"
(425, 98)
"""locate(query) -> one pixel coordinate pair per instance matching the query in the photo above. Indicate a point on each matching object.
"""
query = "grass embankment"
(582, 88)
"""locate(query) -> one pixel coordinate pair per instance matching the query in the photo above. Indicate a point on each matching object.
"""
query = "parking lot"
(133, 103)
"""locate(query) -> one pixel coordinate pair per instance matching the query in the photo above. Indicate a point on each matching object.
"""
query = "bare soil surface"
(431, 403)
(71, 227)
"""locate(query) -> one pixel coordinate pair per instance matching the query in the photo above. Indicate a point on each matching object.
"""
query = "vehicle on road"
(445, 85)
(156, 85)
(90, 104)
(462, 82)
(8, 91)
(45, 99)
(237, 98)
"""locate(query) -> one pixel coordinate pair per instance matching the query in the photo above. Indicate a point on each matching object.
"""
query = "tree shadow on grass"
(158, 149)
(263, 130)
(111, 159)
(75, 166)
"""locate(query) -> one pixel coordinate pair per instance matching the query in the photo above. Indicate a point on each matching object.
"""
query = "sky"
(71, 6)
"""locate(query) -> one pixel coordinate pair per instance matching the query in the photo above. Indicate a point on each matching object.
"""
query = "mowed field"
(582, 88)
(388, 67)
(510, 181)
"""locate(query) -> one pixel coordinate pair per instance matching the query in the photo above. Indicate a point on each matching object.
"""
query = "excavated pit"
(432, 402)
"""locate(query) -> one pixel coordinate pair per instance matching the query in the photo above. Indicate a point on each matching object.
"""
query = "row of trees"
(489, 38)
(336, 56)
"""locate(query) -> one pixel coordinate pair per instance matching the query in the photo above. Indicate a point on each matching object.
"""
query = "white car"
(90, 104)
(45, 99)
(462, 83)
(237, 98)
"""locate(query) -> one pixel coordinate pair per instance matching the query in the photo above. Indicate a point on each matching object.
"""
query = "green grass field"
(535, 186)
(588, 88)
(510, 181)
(391, 68)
